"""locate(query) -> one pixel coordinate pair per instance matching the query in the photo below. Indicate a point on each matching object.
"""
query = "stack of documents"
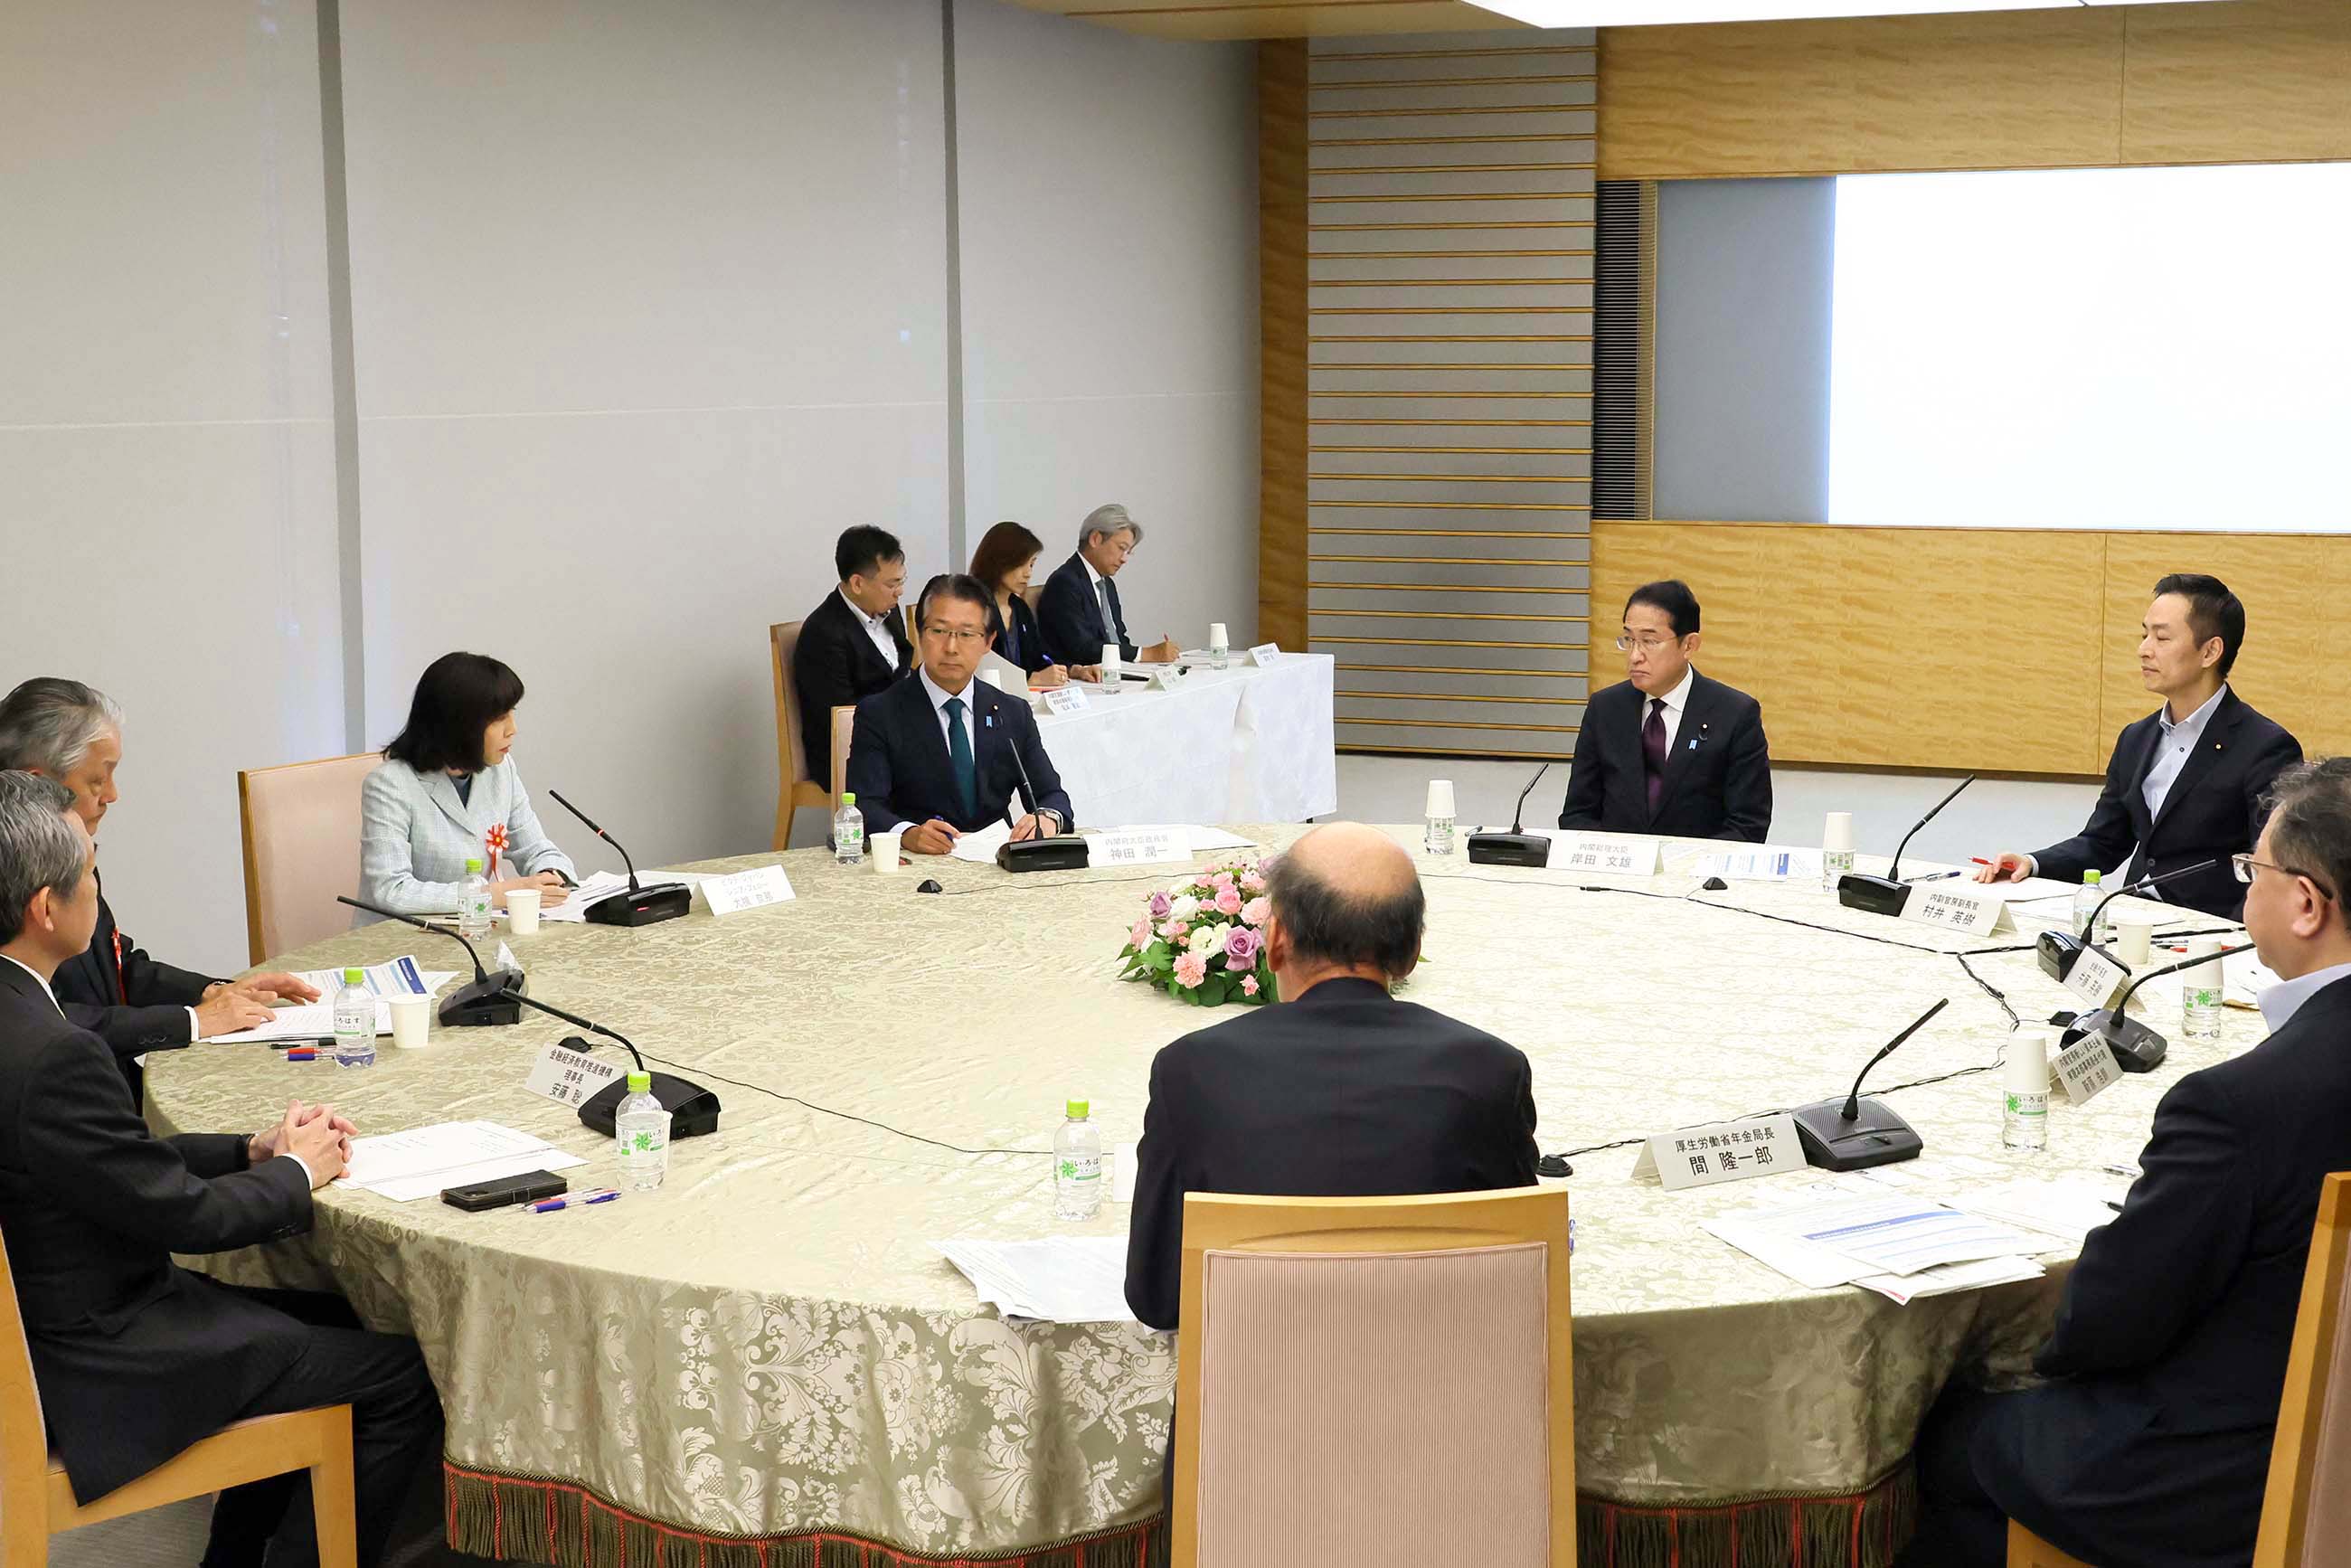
(1765, 864)
(603, 884)
(405, 1167)
(2067, 1211)
(1060, 1279)
(1896, 1243)
(315, 1020)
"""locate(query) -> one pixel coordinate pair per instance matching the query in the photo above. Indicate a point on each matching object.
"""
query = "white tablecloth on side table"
(1242, 745)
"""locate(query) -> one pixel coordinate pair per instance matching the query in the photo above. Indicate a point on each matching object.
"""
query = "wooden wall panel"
(1282, 318)
(1277, 18)
(2261, 81)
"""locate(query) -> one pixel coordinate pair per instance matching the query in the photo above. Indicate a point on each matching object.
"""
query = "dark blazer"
(837, 665)
(2152, 1447)
(1344, 1093)
(2212, 812)
(135, 1358)
(898, 763)
(1072, 618)
(137, 1004)
(1718, 775)
(1023, 642)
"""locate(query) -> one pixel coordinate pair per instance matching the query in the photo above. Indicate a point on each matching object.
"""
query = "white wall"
(1110, 281)
(167, 496)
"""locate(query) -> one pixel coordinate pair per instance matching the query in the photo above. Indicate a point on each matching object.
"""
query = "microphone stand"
(1855, 1133)
(488, 998)
(1065, 851)
(2136, 1047)
(1517, 847)
(2058, 951)
(638, 905)
(693, 1110)
(1888, 894)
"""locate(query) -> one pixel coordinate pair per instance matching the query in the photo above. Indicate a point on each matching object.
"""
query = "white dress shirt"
(877, 627)
(36, 975)
(1676, 701)
(940, 695)
(2282, 1000)
(2172, 751)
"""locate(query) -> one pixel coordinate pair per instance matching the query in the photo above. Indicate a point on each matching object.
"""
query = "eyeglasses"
(2243, 864)
(1646, 644)
(957, 637)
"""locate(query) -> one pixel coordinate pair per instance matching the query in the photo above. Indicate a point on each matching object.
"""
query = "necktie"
(1652, 751)
(967, 777)
(1109, 621)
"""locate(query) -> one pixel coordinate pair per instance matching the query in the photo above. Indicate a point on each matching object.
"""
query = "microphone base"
(1510, 848)
(1877, 1138)
(693, 1110)
(647, 906)
(1066, 853)
(1876, 894)
(2136, 1048)
(483, 1003)
(2057, 952)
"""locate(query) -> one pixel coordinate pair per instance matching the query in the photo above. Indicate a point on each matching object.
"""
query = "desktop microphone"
(489, 998)
(1853, 1133)
(1067, 851)
(1517, 847)
(638, 905)
(1886, 894)
(2057, 951)
(2137, 1048)
(693, 1110)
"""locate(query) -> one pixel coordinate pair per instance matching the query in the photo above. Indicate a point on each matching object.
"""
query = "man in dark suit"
(72, 732)
(1340, 1089)
(1079, 608)
(136, 1358)
(854, 643)
(2185, 784)
(942, 754)
(1666, 750)
(2151, 1446)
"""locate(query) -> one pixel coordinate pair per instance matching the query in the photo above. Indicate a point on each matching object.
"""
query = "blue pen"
(580, 1200)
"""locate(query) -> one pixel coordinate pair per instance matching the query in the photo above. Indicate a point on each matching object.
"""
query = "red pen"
(1980, 860)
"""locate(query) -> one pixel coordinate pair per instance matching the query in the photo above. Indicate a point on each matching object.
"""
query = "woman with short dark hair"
(1003, 562)
(447, 792)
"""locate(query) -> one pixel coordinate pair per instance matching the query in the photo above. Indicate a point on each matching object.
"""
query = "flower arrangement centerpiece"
(1202, 940)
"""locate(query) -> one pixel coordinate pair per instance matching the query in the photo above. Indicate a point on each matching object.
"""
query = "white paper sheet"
(1767, 863)
(404, 1166)
(304, 1020)
(981, 843)
(1060, 1279)
(2067, 1211)
(1844, 1232)
(1904, 1288)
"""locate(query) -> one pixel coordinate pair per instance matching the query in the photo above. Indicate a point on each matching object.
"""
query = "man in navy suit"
(854, 643)
(943, 754)
(2185, 782)
(1080, 608)
(1666, 750)
(2150, 1445)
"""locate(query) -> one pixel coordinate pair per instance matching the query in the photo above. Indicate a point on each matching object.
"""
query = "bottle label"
(1078, 1168)
(2027, 1104)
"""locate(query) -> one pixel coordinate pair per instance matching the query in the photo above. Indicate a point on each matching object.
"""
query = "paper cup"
(881, 850)
(411, 1022)
(1110, 654)
(1440, 798)
(2134, 939)
(1837, 833)
(522, 911)
(1216, 638)
(2027, 1067)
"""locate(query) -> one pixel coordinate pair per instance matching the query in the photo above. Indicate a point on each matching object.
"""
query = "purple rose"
(1160, 905)
(1242, 946)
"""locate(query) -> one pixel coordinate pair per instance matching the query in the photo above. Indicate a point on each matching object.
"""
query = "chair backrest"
(1034, 593)
(1375, 1380)
(301, 826)
(844, 730)
(2306, 1512)
(24, 1441)
(791, 756)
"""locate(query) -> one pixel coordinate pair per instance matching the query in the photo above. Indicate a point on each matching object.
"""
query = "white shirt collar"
(878, 622)
(1093, 578)
(1678, 698)
(2195, 722)
(939, 693)
(35, 974)
(2284, 999)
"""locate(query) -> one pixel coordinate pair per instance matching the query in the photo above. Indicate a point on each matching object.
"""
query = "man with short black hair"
(854, 643)
(1667, 750)
(2151, 1445)
(2185, 784)
(1340, 1090)
(1079, 608)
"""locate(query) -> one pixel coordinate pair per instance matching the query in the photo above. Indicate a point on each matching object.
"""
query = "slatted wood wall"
(1448, 381)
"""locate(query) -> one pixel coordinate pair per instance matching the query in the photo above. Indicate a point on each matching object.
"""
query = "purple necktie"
(1652, 751)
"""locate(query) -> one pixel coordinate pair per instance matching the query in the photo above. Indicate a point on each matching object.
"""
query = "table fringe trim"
(1860, 1529)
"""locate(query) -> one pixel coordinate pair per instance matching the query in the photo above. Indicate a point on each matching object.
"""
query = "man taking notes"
(2185, 782)
(942, 754)
(854, 643)
(1666, 750)
(1079, 608)
(1338, 1090)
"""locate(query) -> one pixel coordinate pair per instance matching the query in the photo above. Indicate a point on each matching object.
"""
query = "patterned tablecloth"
(769, 1347)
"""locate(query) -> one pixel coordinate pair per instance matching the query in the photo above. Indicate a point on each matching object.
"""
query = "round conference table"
(766, 1362)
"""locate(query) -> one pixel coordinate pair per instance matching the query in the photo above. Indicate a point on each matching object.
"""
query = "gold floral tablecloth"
(766, 1362)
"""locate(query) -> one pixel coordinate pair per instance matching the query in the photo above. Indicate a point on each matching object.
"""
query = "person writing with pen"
(941, 755)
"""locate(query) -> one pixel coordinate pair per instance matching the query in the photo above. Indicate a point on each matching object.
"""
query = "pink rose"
(1190, 970)
(1248, 984)
(1159, 906)
(1222, 879)
(1240, 947)
(1228, 900)
(1140, 938)
(1177, 930)
(1254, 912)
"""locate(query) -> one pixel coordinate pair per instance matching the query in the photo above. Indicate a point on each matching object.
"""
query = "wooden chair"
(791, 756)
(2307, 1509)
(1374, 1380)
(301, 827)
(36, 1501)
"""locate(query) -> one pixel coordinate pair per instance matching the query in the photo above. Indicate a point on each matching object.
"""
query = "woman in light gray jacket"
(447, 792)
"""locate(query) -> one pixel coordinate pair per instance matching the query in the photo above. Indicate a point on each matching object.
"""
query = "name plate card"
(2096, 978)
(2086, 1068)
(569, 1077)
(746, 890)
(1166, 675)
(1720, 1152)
(1065, 699)
(1138, 846)
(1616, 855)
(1265, 654)
(1958, 909)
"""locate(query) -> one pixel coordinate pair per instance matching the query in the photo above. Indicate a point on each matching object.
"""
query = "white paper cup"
(2026, 1070)
(1216, 638)
(1440, 798)
(1837, 833)
(522, 911)
(2134, 938)
(881, 849)
(1111, 656)
(411, 1022)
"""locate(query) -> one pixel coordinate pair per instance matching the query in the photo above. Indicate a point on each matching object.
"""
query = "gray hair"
(2310, 823)
(39, 848)
(50, 724)
(1108, 519)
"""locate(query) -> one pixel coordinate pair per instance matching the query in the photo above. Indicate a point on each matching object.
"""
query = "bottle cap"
(849, 796)
(2089, 879)
(641, 1082)
(1077, 1109)
(472, 868)
(2027, 1069)
(355, 977)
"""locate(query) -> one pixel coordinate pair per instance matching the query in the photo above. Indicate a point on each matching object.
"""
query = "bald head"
(1346, 895)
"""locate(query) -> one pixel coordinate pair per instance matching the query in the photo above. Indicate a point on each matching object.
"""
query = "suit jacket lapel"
(932, 749)
(994, 740)
(2209, 748)
(443, 792)
(1692, 737)
(1116, 631)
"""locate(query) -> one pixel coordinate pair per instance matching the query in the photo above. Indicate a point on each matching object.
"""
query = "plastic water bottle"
(848, 831)
(474, 903)
(354, 1021)
(2086, 899)
(642, 1128)
(2199, 993)
(1077, 1164)
(2025, 1090)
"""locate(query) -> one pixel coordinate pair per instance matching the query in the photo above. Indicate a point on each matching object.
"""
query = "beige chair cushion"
(2326, 1536)
(1375, 1407)
(785, 638)
(304, 847)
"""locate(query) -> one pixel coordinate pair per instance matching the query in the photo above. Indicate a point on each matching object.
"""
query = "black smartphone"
(501, 1191)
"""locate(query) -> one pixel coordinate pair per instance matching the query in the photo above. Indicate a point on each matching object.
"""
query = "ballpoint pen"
(576, 1200)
